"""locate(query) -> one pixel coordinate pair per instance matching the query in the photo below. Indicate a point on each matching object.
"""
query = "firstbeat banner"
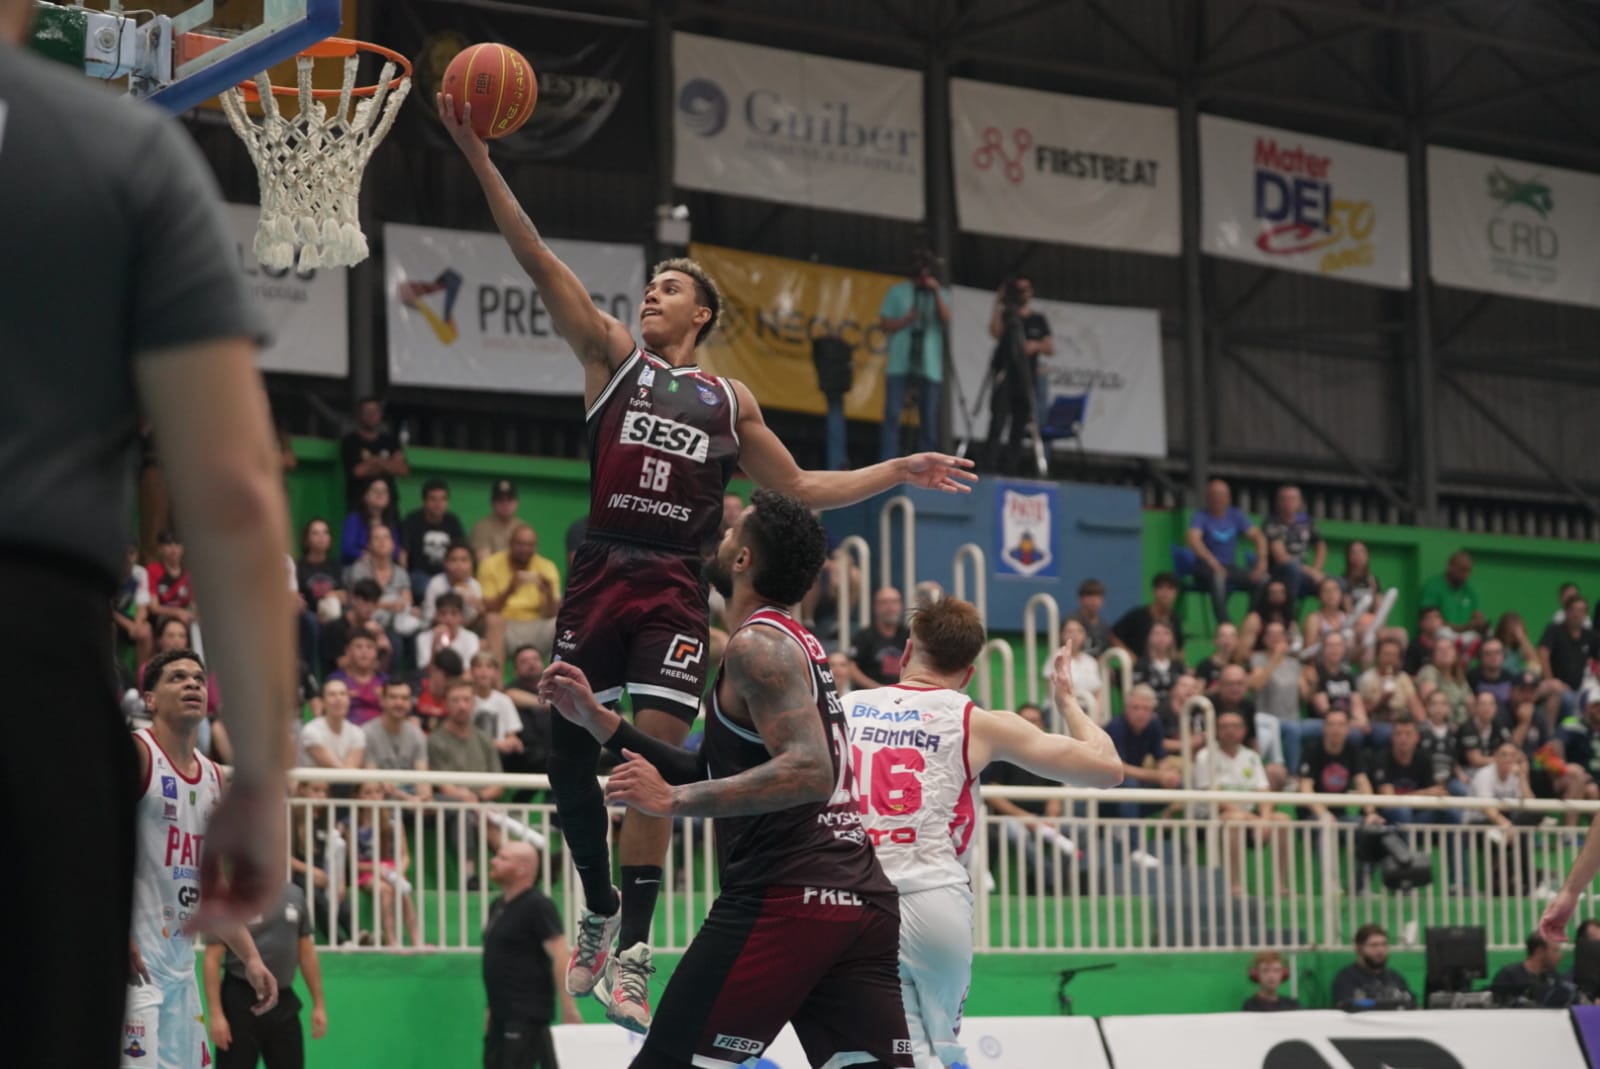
(1281, 199)
(1106, 374)
(463, 315)
(1047, 167)
(801, 129)
(305, 311)
(1506, 226)
(773, 308)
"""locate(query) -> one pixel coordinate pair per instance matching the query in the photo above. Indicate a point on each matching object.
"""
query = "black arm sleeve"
(677, 766)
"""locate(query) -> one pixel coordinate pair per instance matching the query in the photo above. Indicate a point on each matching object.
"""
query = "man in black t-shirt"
(371, 452)
(875, 651)
(1565, 650)
(427, 534)
(1297, 550)
(1331, 765)
(1013, 399)
(1368, 983)
(524, 966)
(1132, 629)
(1480, 736)
(1533, 978)
(1405, 768)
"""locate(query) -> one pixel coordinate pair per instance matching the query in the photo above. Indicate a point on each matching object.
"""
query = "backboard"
(180, 53)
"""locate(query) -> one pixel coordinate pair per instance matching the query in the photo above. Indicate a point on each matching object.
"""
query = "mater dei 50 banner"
(1107, 364)
(801, 129)
(1522, 229)
(1281, 199)
(306, 312)
(771, 310)
(463, 315)
(1047, 167)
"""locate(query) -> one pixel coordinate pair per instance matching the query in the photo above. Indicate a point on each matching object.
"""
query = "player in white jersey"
(164, 1027)
(918, 748)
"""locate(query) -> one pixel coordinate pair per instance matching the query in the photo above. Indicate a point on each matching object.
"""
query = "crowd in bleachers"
(408, 623)
(1340, 698)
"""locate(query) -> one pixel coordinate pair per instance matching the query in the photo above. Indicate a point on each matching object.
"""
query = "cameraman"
(914, 314)
(1016, 396)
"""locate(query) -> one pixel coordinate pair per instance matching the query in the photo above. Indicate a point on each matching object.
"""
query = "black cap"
(1526, 679)
(503, 489)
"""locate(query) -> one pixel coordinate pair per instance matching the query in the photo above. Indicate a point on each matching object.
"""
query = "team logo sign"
(1027, 533)
(685, 651)
(169, 788)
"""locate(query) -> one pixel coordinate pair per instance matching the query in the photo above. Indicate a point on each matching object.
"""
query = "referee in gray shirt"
(122, 291)
(283, 936)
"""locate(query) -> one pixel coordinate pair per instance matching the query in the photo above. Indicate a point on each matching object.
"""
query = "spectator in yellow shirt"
(521, 595)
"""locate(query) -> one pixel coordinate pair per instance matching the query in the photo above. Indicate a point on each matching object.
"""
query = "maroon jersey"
(818, 845)
(663, 442)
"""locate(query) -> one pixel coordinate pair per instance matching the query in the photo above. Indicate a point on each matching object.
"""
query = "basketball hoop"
(310, 164)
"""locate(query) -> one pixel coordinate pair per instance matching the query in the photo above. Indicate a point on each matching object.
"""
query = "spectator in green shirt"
(1454, 596)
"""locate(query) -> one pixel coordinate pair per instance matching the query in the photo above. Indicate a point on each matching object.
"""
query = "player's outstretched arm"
(768, 461)
(1085, 756)
(598, 340)
(770, 679)
(1553, 925)
(1004, 736)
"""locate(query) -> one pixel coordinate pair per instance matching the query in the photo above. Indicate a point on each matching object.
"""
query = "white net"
(311, 164)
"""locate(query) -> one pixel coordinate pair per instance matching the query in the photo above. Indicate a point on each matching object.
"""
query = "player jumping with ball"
(665, 437)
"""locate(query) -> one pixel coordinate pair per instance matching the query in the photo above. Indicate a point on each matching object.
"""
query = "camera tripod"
(1014, 362)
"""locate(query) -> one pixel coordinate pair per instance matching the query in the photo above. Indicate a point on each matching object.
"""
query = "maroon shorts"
(635, 618)
(795, 955)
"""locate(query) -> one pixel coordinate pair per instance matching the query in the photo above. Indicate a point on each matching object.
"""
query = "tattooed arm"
(598, 340)
(767, 675)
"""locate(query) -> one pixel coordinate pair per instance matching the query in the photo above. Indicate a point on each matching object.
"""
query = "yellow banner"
(771, 310)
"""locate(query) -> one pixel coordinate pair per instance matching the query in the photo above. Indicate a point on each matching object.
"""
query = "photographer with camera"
(916, 315)
(1022, 336)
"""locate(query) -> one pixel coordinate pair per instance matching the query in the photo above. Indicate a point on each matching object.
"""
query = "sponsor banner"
(991, 1042)
(1282, 199)
(306, 311)
(1521, 229)
(593, 107)
(463, 315)
(801, 129)
(771, 310)
(1106, 373)
(1047, 167)
(1025, 540)
(1330, 1039)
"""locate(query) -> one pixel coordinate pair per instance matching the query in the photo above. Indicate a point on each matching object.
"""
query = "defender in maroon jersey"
(665, 438)
(806, 927)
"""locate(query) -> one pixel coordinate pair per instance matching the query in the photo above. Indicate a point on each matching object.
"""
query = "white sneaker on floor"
(592, 949)
(1144, 859)
(625, 990)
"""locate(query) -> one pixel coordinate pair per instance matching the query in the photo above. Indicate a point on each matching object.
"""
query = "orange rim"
(191, 45)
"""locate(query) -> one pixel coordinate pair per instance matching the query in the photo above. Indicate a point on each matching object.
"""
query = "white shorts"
(935, 971)
(163, 1027)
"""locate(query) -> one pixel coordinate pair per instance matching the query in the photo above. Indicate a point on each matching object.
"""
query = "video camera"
(1012, 296)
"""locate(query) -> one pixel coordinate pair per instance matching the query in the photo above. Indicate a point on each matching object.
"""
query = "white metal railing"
(1096, 877)
(997, 647)
(1120, 659)
(854, 550)
(908, 543)
(1031, 668)
(970, 553)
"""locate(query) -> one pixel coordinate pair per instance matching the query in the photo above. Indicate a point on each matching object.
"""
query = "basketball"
(499, 84)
